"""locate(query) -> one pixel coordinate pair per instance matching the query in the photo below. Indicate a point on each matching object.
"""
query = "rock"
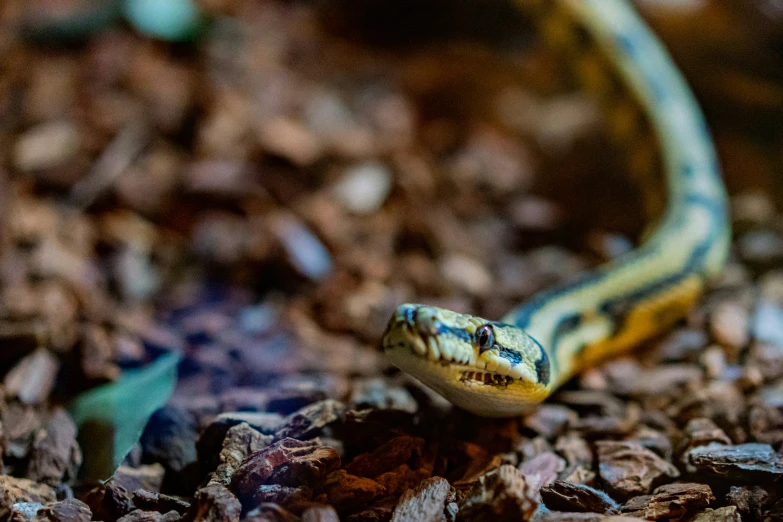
(629, 469)
(565, 496)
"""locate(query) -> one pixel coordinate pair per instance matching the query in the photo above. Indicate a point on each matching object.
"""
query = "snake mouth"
(485, 378)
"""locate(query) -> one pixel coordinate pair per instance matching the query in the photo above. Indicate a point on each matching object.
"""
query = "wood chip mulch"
(260, 202)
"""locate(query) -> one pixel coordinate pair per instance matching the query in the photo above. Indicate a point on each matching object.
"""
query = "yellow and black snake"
(501, 368)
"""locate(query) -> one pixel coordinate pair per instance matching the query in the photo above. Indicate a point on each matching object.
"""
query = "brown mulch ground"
(262, 200)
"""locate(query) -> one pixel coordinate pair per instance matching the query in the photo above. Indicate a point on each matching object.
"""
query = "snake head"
(487, 367)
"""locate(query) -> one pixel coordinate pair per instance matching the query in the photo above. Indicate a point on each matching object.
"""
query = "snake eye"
(485, 338)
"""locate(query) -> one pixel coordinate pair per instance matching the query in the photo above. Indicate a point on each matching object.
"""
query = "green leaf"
(112, 417)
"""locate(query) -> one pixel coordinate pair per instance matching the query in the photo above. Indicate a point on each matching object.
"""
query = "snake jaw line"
(440, 348)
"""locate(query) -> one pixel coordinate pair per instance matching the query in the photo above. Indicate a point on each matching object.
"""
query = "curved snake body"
(501, 368)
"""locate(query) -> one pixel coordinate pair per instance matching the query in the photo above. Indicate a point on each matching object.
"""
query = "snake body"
(502, 368)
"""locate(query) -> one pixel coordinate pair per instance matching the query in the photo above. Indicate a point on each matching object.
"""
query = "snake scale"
(503, 368)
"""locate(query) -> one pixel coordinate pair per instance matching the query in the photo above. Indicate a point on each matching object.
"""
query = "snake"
(506, 367)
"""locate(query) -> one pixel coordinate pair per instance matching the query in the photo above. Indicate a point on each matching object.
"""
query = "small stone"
(565, 496)
(363, 188)
(47, 146)
(630, 469)
(749, 462)
(426, 503)
(501, 495)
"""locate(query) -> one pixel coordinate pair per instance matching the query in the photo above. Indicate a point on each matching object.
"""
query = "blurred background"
(254, 185)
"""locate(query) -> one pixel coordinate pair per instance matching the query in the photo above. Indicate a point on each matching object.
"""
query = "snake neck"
(653, 118)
